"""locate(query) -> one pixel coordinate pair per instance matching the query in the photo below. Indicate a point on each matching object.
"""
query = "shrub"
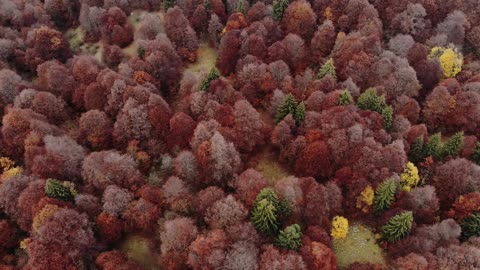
(290, 237)
(450, 59)
(471, 226)
(345, 98)
(384, 195)
(398, 227)
(369, 100)
(339, 227)
(212, 75)
(327, 69)
(58, 190)
(409, 178)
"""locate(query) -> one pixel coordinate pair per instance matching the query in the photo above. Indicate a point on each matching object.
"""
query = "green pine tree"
(206, 5)
(471, 226)
(417, 151)
(241, 7)
(289, 105)
(58, 190)
(213, 74)
(434, 146)
(453, 145)
(398, 227)
(369, 100)
(345, 98)
(327, 68)
(387, 114)
(475, 157)
(279, 7)
(384, 195)
(270, 195)
(169, 4)
(141, 52)
(290, 237)
(285, 209)
(265, 212)
(299, 112)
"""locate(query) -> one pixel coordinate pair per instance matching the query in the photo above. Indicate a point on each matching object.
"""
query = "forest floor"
(360, 245)
(206, 59)
(269, 166)
(141, 250)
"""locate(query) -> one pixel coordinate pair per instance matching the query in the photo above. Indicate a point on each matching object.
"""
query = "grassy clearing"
(206, 59)
(358, 246)
(270, 168)
(138, 248)
(77, 43)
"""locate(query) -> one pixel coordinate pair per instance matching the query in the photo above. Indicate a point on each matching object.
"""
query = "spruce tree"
(326, 69)
(213, 74)
(453, 145)
(279, 7)
(265, 211)
(398, 227)
(369, 100)
(434, 146)
(417, 151)
(285, 210)
(169, 4)
(299, 112)
(290, 237)
(58, 190)
(290, 106)
(345, 98)
(269, 194)
(475, 157)
(384, 195)
(387, 114)
(471, 226)
(241, 7)
(141, 52)
(206, 5)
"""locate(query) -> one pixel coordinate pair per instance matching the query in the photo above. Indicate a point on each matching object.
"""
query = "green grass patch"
(359, 246)
(206, 59)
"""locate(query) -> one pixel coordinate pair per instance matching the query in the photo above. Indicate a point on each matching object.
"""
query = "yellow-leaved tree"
(339, 227)
(410, 177)
(451, 60)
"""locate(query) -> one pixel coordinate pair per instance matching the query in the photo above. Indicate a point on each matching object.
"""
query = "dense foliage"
(253, 135)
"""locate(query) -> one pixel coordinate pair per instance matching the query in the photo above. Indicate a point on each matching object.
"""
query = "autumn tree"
(298, 18)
